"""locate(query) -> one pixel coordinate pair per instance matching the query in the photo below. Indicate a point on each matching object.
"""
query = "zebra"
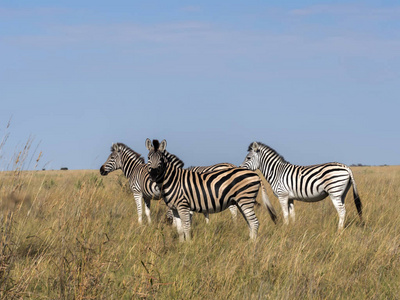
(212, 192)
(206, 169)
(304, 183)
(134, 168)
(212, 168)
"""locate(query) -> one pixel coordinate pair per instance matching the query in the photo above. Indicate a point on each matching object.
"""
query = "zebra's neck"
(271, 163)
(129, 161)
(169, 181)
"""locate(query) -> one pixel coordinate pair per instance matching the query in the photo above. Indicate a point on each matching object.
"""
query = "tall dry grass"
(74, 235)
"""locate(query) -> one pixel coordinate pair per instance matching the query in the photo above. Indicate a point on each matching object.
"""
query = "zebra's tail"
(267, 203)
(357, 199)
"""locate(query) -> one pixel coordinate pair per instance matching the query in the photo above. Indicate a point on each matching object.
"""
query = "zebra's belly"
(310, 198)
(209, 209)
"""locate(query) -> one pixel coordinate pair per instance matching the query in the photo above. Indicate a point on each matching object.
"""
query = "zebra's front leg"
(147, 209)
(233, 210)
(138, 200)
(284, 201)
(292, 215)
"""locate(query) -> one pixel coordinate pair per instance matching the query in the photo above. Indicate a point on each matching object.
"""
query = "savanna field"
(75, 235)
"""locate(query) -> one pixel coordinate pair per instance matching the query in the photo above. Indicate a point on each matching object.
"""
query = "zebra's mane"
(266, 148)
(156, 145)
(123, 147)
(172, 158)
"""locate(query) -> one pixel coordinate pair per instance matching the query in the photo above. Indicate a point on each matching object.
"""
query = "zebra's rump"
(314, 183)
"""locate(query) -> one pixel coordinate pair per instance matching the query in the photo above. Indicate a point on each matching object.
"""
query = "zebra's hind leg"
(147, 209)
(247, 210)
(207, 216)
(338, 202)
(138, 200)
(179, 227)
(292, 215)
(184, 214)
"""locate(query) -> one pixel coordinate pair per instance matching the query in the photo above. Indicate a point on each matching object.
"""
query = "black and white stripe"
(304, 183)
(134, 168)
(211, 192)
(206, 169)
(212, 168)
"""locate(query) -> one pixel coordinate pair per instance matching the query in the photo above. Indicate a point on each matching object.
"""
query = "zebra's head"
(252, 160)
(157, 162)
(113, 161)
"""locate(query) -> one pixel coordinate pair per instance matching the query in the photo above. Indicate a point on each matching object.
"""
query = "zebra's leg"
(147, 210)
(338, 202)
(247, 210)
(170, 217)
(284, 201)
(291, 211)
(184, 214)
(233, 210)
(206, 215)
(191, 217)
(178, 222)
(138, 200)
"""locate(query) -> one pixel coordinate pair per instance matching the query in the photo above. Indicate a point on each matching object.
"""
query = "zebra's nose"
(153, 172)
(103, 172)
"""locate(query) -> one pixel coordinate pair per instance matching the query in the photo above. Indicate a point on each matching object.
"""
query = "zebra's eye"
(248, 157)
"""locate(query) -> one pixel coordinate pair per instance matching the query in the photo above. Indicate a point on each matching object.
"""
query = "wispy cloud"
(191, 8)
(29, 12)
(349, 10)
(197, 36)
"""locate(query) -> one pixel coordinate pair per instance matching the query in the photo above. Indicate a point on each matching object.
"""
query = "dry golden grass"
(74, 235)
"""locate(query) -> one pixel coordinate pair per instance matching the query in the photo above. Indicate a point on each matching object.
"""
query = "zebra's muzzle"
(156, 175)
(103, 172)
(153, 173)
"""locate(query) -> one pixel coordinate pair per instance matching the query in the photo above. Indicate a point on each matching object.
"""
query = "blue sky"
(316, 80)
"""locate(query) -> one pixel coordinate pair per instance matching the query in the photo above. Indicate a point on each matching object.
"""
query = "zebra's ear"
(163, 145)
(254, 146)
(148, 144)
(114, 147)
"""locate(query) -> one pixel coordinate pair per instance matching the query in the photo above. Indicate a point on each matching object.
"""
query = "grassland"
(75, 235)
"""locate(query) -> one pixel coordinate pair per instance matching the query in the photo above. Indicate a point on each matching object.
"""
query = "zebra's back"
(213, 168)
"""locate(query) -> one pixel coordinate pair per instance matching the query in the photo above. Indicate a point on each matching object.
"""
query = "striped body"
(134, 168)
(206, 169)
(304, 183)
(212, 192)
